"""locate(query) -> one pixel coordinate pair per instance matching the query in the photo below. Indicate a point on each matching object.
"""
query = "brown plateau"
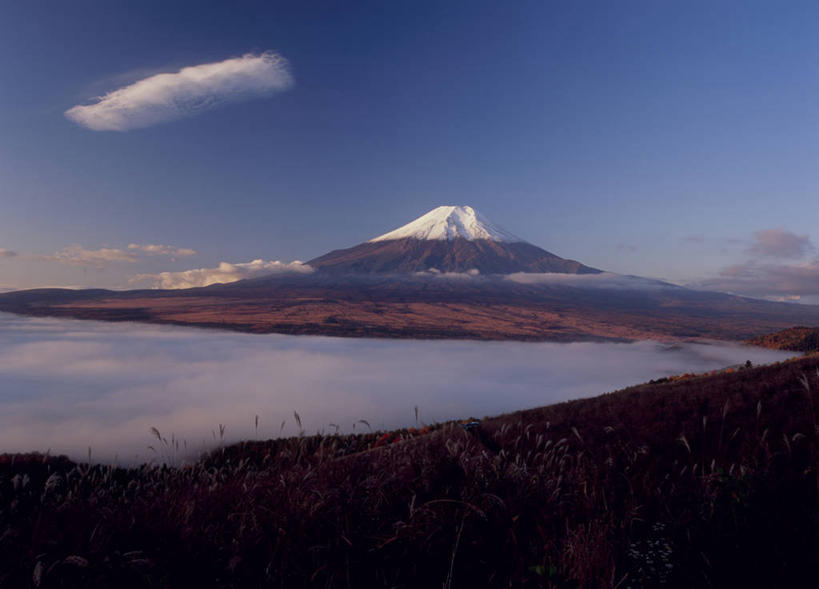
(489, 308)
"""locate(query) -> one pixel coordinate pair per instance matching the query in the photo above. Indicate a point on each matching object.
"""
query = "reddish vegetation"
(795, 339)
(429, 307)
(708, 481)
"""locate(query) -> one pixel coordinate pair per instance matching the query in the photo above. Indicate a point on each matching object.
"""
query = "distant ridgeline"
(795, 339)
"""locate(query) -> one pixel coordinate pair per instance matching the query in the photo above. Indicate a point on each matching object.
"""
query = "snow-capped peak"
(449, 223)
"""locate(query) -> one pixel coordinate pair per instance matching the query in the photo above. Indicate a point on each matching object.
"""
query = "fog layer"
(66, 385)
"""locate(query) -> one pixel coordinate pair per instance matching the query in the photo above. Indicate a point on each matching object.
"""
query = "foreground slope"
(706, 481)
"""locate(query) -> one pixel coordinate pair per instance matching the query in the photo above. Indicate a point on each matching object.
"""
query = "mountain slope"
(456, 255)
(447, 239)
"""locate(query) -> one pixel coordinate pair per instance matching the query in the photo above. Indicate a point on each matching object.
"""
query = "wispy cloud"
(779, 243)
(714, 241)
(225, 272)
(775, 267)
(4, 253)
(190, 91)
(77, 255)
(786, 281)
(156, 249)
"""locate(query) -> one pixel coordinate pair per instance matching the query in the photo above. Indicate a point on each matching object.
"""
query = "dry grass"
(706, 481)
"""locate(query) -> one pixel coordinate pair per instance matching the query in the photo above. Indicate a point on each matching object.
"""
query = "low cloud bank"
(602, 280)
(190, 91)
(225, 272)
(474, 272)
(67, 385)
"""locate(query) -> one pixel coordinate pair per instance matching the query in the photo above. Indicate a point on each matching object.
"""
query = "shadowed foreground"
(696, 482)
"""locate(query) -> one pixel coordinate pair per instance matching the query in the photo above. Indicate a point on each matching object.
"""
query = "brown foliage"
(795, 339)
(704, 481)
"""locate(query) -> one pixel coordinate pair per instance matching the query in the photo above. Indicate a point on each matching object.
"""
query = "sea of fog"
(68, 385)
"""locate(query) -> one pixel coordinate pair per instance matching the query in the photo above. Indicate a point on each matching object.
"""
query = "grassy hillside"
(699, 482)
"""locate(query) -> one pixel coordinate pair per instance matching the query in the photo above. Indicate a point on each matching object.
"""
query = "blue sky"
(654, 138)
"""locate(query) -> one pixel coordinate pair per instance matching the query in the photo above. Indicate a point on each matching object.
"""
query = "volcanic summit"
(447, 239)
(397, 285)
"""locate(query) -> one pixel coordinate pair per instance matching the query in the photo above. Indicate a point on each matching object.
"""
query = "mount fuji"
(448, 239)
(452, 274)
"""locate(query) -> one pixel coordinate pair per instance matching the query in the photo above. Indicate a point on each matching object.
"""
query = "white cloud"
(82, 383)
(77, 255)
(474, 272)
(162, 250)
(190, 91)
(224, 273)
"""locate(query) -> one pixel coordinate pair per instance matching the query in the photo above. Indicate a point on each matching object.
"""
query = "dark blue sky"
(643, 137)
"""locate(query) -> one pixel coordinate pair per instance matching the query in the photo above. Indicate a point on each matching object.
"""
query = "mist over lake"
(66, 385)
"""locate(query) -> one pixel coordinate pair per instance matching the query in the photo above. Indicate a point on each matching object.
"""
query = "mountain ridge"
(456, 255)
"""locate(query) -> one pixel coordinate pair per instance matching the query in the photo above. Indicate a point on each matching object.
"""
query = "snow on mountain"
(447, 239)
(448, 223)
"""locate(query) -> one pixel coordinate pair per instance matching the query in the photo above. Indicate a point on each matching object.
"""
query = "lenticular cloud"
(190, 91)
